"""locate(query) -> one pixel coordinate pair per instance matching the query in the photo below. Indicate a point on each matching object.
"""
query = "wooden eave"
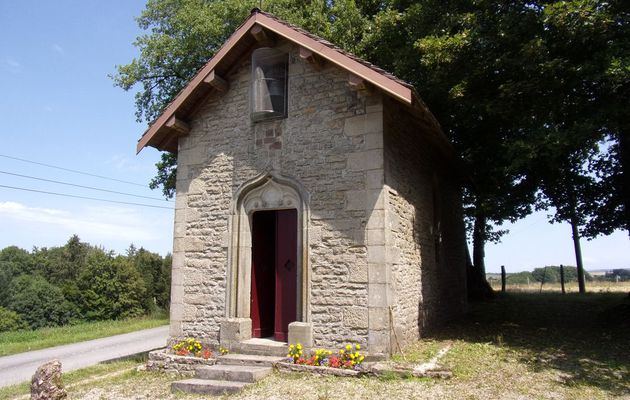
(164, 137)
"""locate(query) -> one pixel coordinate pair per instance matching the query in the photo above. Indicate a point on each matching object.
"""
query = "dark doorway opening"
(274, 273)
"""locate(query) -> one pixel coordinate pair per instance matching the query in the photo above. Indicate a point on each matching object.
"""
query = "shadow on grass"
(585, 337)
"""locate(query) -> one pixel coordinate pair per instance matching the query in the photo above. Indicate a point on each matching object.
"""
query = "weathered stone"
(363, 173)
(355, 317)
(301, 332)
(47, 384)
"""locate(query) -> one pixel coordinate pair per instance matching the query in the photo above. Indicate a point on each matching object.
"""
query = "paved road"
(21, 367)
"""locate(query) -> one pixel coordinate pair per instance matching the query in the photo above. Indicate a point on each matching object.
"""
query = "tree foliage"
(38, 302)
(11, 321)
(77, 281)
(532, 94)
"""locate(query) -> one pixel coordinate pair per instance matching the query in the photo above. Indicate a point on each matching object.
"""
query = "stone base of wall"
(165, 361)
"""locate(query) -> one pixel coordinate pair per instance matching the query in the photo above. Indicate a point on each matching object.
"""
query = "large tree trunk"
(578, 254)
(624, 158)
(479, 242)
(478, 287)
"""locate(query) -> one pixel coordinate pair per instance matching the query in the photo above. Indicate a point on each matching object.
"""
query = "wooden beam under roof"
(216, 82)
(261, 36)
(316, 61)
(360, 85)
(178, 125)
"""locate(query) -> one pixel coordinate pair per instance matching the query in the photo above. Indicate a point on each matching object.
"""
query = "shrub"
(110, 288)
(38, 302)
(11, 321)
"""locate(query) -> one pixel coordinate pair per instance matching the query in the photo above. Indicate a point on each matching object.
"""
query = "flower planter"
(290, 367)
(165, 361)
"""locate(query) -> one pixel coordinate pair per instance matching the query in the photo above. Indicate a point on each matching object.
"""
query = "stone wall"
(425, 236)
(331, 143)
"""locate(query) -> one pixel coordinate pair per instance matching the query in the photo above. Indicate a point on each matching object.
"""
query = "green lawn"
(517, 346)
(21, 341)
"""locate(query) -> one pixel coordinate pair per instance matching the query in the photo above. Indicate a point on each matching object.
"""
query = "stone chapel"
(318, 200)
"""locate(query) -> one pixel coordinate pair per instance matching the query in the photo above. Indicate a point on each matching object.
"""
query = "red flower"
(206, 354)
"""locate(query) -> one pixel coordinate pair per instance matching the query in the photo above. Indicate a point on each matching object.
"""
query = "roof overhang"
(164, 132)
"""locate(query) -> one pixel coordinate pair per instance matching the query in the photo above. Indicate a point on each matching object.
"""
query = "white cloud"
(13, 65)
(123, 163)
(100, 223)
(58, 48)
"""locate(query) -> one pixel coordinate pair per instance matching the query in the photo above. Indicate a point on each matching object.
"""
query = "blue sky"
(60, 108)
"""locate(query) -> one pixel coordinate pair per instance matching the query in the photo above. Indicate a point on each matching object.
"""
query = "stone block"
(375, 199)
(175, 328)
(176, 311)
(179, 230)
(376, 220)
(375, 237)
(378, 273)
(357, 273)
(177, 292)
(365, 160)
(377, 295)
(376, 254)
(355, 317)
(354, 126)
(301, 332)
(373, 141)
(356, 200)
(378, 342)
(235, 330)
(374, 179)
(378, 318)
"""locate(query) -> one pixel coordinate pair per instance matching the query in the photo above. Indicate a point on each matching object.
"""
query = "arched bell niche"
(263, 195)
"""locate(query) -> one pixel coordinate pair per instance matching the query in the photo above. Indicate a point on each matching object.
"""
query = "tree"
(110, 288)
(150, 267)
(11, 321)
(184, 35)
(588, 48)
(467, 59)
(38, 302)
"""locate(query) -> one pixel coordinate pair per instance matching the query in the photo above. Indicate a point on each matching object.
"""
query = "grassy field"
(570, 287)
(518, 346)
(18, 342)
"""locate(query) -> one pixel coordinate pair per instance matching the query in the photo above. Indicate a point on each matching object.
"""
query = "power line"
(73, 170)
(84, 197)
(81, 186)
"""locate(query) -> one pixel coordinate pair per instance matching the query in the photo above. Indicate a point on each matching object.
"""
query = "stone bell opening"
(274, 276)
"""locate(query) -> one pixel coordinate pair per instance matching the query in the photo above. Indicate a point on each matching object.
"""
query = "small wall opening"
(269, 84)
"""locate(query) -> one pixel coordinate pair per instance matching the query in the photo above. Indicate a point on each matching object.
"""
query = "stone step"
(262, 347)
(249, 359)
(233, 373)
(205, 386)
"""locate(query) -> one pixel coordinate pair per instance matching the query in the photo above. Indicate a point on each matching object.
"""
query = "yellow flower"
(348, 347)
(341, 351)
(299, 346)
(358, 347)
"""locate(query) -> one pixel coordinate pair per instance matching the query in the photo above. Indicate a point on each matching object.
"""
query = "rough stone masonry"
(381, 230)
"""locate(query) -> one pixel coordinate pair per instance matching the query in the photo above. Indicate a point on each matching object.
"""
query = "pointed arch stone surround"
(269, 191)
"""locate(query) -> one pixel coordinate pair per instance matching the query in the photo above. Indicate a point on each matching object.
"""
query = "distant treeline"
(551, 274)
(79, 282)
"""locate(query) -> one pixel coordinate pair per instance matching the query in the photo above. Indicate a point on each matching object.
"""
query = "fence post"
(562, 278)
(503, 278)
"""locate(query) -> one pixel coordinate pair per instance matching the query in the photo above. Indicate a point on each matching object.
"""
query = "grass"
(570, 287)
(21, 341)
(79, 378)
(517, 346)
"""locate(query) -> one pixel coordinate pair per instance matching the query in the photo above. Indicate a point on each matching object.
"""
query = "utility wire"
(84, 197)
(72, 170)
(81, 186)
